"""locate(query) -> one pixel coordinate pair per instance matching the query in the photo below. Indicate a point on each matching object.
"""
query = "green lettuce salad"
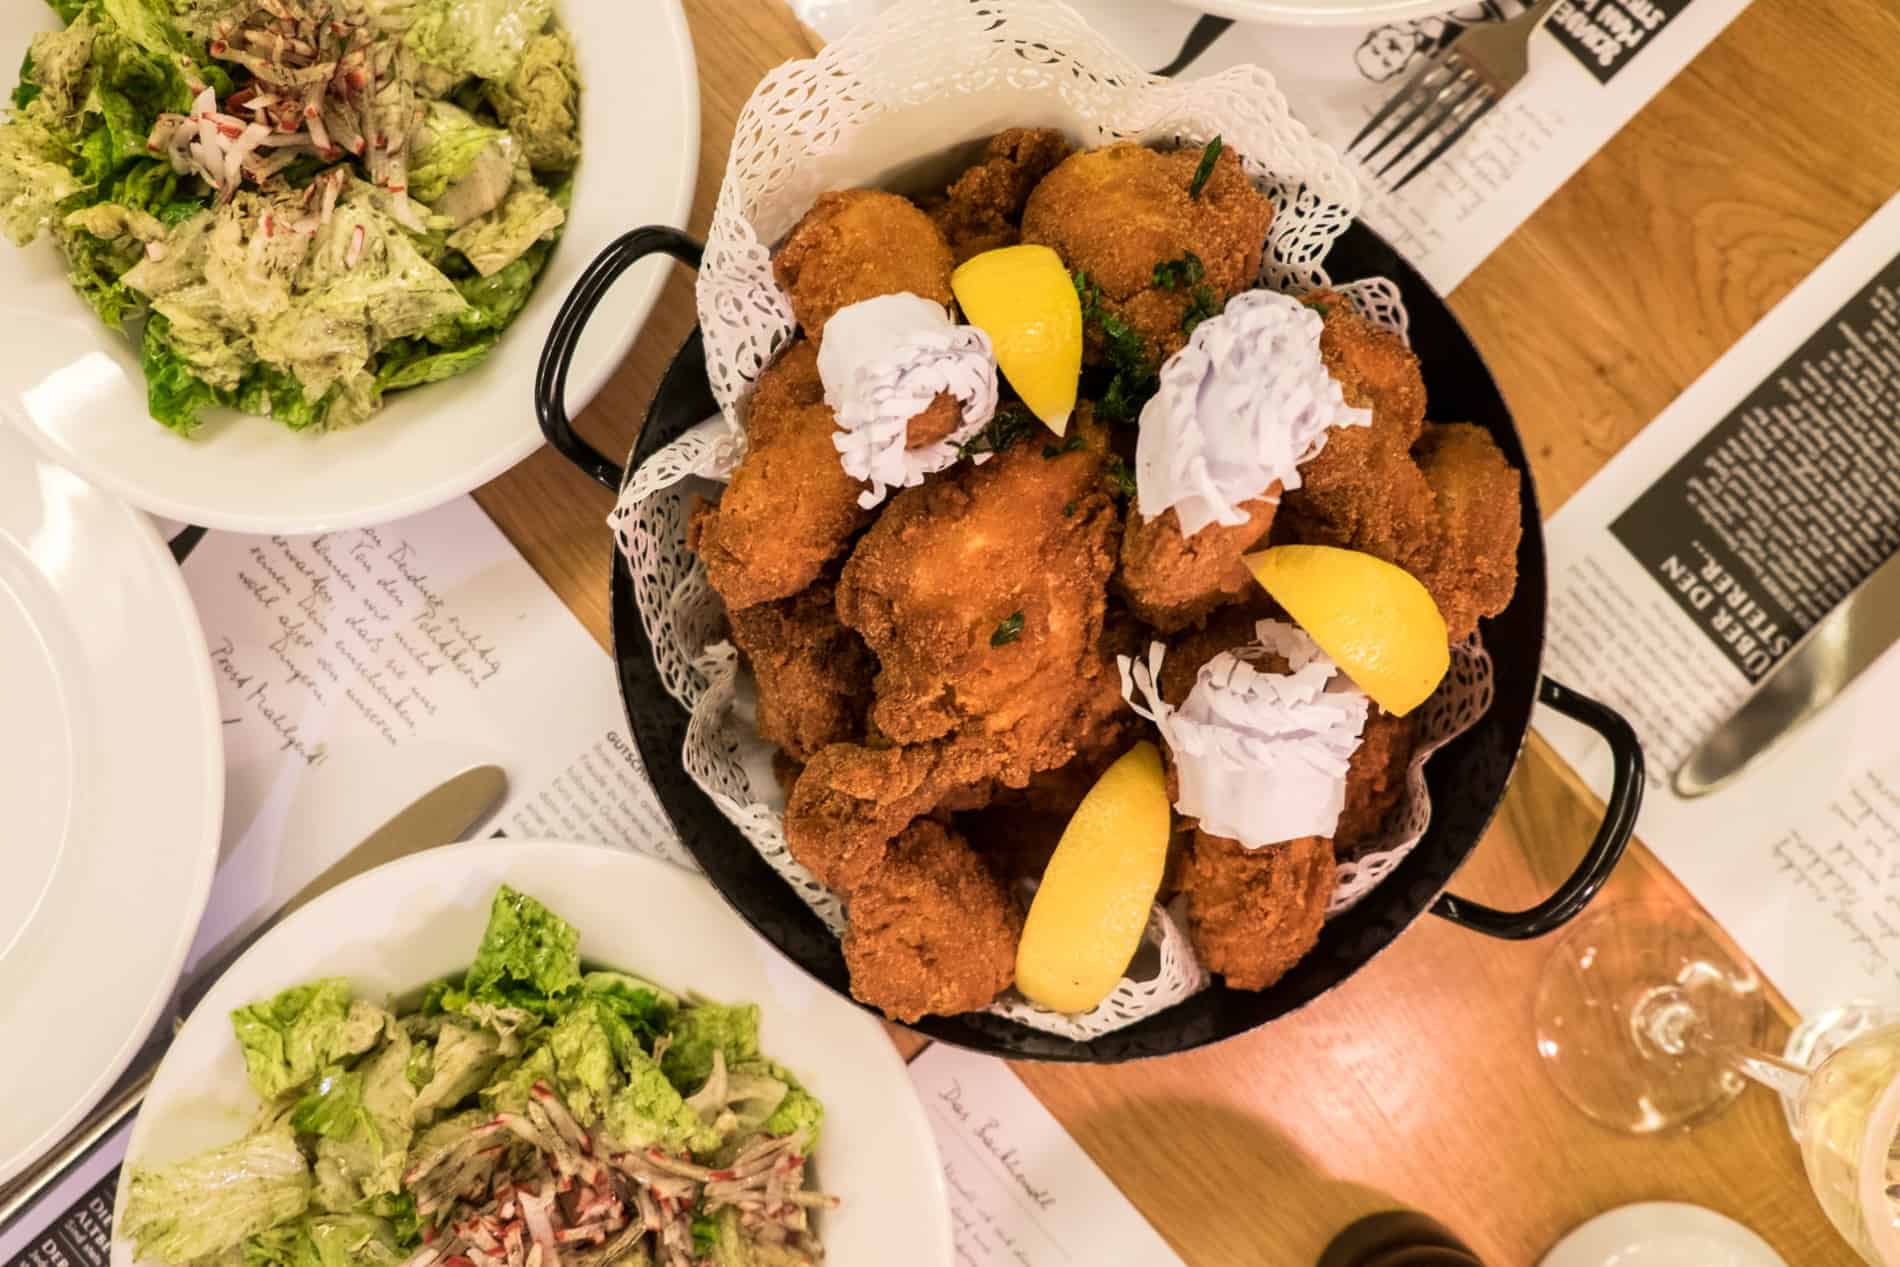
(533, 1113)
(296, 207)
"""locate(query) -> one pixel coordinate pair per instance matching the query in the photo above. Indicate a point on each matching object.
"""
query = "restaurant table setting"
(415, 865)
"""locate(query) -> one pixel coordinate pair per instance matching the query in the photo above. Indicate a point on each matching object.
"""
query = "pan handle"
(1613, 837)
(550, 379)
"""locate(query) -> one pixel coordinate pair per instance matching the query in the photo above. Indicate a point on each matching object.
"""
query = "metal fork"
(1455, 88)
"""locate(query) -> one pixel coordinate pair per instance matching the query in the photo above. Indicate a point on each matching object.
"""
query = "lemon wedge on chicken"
(1375, 620)
(1088, 915)
(1025, 300)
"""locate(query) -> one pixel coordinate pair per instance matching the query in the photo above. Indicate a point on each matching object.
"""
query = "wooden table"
(1415, 1083)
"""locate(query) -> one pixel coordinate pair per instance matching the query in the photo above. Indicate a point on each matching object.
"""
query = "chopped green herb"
(1121, 477)
(1068, 508)
(1008, 425)
(1008, 630)
(1175, 274)
(1203, 307)
(1133, 379)
(1323, 309)
(1069, 445)
(1209, 157)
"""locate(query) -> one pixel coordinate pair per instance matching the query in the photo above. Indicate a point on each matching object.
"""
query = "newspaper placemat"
(1689, 567)
(1596, 63)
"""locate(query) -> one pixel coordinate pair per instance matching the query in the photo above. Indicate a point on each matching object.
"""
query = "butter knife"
(1828, 657)
(449, 812)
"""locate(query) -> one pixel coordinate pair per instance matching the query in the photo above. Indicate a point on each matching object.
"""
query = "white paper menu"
(1022, 1193)
(355, 671)
(1691, 564)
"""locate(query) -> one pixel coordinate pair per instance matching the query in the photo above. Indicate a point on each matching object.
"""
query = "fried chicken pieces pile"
(939, 672)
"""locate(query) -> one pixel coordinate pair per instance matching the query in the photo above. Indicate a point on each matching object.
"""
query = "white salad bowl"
(75, 386)
(398, 928)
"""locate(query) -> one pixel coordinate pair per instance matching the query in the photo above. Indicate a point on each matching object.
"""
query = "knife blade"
(446, 813)
(1818, 668)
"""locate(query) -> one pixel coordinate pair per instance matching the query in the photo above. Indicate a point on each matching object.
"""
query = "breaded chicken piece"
(851, 800)
(1478, 496)
(983, 207)
(1116, 212)
(1375, 779)
(813, 674)
(1363, 491)
(790, 508)
(1227, 629)
(982, 594)
(857, 244)
(1254, 913)
(1171, 581)
(932, 932)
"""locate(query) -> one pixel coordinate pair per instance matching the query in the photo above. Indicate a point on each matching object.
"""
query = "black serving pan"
(1467, 777)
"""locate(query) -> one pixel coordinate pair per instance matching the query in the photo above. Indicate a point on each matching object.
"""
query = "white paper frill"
(1239, 409)
(903, 103)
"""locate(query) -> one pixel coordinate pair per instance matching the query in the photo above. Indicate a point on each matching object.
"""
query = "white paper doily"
(955, 72)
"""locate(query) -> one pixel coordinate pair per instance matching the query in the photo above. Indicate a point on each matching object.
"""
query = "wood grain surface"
(1416, 1082)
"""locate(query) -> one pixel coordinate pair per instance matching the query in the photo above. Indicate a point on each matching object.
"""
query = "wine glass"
(1647, 1021)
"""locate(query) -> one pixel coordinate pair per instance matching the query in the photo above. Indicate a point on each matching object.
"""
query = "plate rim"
(170, 577)
(491, 856)
(668, 22)
(1574, 1242)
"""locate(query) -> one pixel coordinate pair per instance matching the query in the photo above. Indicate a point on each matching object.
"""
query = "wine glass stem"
(1667, 1023)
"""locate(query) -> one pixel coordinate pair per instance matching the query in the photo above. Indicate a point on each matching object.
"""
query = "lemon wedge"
(1373, 618)
(1024, 299)
(1088, 915)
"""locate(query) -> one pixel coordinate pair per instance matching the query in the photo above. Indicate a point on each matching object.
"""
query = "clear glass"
(1648, 1021)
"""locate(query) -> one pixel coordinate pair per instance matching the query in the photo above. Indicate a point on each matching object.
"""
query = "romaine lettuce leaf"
(289, 1039)
(325, 1240)
(700, 1030)
(462, 168)
(463, 1061)
(527, 216)
(96, 262)
(483, 38)
(212, 1202)
(528, 958)
(34, 173)
(412, 363)
(332, 1106)
(67, 9)
(649, 1110)
(493, 302)
(174, 394)
(540, 103)
(59, 64)
(367, 1159)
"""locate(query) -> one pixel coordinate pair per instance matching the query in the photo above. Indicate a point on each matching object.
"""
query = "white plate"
(1662, 1234)
(414, 921)
(1366, 13)
(76, 387)
(112, 784)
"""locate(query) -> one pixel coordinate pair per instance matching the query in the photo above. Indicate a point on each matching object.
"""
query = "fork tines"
(1437, 106)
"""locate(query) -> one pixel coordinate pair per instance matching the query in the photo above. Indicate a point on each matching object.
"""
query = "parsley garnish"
(1069, 445)
(1008, 425)
(1068, 508)
(1008, 630)
(1133, 379)
(1323, 309)
(705, 1236)
(1200, 310)
(1121, 477)
(1174, 274)
(1206, 168)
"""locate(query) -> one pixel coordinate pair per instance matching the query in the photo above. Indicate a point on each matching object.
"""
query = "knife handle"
(111, 1113)
(1613, 837)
